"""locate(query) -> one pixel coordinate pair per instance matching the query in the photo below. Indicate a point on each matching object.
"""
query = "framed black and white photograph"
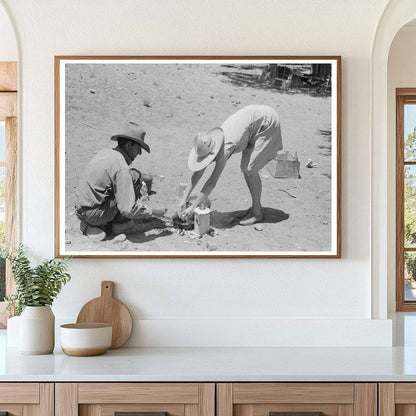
(198, 156)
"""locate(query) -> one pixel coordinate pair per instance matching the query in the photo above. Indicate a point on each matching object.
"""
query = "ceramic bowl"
(83, 340)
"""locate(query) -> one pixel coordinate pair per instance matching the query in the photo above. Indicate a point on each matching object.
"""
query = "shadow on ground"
(230, 219)
(154, 228)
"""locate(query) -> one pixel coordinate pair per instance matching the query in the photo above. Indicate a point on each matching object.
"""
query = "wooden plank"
(224, 399)
(24, 393)
(345, 410)
(11, 206)
(3, 315)
(293, 393)
(90, 410)
(405, 410)
(13, 409)
(31, 410)
(191, 410)
(8, 105)
(171, 409)
(66, 399)
(365, 403)
(138, 393)
(246, 410)
(386, 399)
(405, 91)
(47, 399)
(11, 195)
(207, 399)
(405, 393)
(8, 76)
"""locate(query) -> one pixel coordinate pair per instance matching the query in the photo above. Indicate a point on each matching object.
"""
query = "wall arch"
(9, 48)
(396, 14)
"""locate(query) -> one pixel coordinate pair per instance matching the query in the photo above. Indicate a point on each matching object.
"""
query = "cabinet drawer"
(296, 399)
(107, 399)
(21, 399)
(19, 393)
(138, 393)
(397, 399)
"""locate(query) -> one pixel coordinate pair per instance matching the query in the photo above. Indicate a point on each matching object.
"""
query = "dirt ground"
(173, 103)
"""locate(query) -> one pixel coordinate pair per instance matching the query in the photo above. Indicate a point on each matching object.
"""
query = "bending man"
(255, 132)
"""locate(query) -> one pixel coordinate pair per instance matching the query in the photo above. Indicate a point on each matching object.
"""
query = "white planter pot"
(37, 330)
(13, 331)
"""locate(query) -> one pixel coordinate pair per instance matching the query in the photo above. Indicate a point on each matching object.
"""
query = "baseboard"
(148, 332)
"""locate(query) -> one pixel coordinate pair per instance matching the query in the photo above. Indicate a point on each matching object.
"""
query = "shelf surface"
(212, 365)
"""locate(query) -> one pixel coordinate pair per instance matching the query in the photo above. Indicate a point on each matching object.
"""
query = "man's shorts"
(264, 148)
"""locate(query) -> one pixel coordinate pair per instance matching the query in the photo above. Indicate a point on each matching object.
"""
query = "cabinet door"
(144, 399)
(26, 399)
(397, 399)
(296, 399)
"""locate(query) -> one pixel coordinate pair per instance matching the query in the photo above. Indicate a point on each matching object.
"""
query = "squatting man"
(110, 195)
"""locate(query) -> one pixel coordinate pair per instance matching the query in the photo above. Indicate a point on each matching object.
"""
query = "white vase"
(13, 331)
(37, 330)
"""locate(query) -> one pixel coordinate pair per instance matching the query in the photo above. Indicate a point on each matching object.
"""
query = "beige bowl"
(83, 340)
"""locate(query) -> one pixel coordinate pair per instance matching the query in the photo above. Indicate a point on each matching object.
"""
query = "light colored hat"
(134, 132)
(205, 149)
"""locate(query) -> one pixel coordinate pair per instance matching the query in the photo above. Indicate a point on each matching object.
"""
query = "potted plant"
(36, 289)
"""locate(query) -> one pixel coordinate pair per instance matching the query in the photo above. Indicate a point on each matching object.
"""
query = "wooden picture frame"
(173, 98)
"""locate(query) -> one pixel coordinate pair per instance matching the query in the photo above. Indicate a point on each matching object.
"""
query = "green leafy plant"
(35, 286)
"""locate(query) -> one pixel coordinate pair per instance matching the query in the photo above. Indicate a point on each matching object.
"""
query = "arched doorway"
(396, 14)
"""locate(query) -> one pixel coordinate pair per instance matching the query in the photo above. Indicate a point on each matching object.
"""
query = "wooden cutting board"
(107, 309)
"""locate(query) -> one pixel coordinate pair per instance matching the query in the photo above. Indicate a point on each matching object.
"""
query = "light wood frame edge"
(337, 58)
(11, 212)
(386, 399)
(207, 399)
(11, 167)
(224, 399)
(56, 160)
(365, 399)
(47, 399)
(66, 399)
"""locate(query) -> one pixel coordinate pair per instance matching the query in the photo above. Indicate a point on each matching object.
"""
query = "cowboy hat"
(134, 132)
(205, 149)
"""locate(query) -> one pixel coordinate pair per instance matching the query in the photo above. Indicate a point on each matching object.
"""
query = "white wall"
(401, 74)
(8, 47)
(179, 302)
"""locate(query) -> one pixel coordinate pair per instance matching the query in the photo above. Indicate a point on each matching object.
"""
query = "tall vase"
(37, 330)
(13, 332)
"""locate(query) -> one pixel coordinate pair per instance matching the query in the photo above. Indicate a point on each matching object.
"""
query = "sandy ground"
(173, 103)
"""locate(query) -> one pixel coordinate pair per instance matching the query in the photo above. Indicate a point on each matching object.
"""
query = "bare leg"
(254, 185)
